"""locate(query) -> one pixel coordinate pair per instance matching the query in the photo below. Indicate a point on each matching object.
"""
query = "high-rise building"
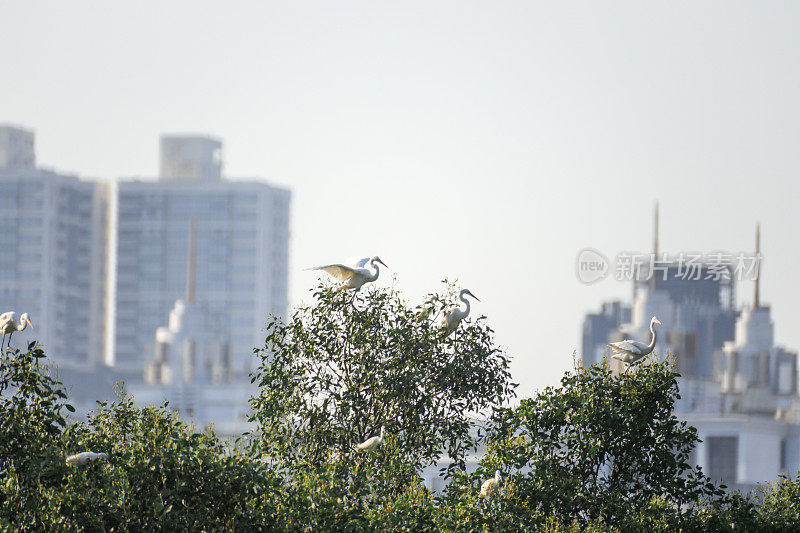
(52, 263)
(242, 234)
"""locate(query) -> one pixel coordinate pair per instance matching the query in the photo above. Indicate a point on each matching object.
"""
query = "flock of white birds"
(354, 275)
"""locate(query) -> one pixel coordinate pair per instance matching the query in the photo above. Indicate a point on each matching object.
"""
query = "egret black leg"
(9, 340)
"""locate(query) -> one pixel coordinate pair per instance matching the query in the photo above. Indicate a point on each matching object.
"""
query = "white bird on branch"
(630, 351)
(9, 324)
(490, 485)
(453, 318)
(355, 275)
(372, 442)
(85, 457)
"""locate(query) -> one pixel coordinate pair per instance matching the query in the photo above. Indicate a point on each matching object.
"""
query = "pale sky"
(484, 141)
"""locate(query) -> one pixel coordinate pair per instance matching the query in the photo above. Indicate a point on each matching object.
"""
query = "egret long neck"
(377, 270)
(653, 338)
(466, 302)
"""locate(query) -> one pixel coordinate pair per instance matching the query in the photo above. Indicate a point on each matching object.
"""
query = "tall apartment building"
(52, 258)
(242, 235)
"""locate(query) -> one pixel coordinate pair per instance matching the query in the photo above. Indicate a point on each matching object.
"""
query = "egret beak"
(378, 259)
(30, 323)
(657, 321)
(473, 296)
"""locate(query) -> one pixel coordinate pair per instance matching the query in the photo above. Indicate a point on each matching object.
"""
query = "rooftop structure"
(190, 158)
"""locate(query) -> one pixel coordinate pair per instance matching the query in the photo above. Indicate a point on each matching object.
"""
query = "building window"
(723, 457)
(783, 455)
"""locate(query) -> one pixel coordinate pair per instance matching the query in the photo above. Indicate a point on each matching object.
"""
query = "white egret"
(372, 442)
(490, 485)
(85, 457)
(453, 318)
(355, 275)
(9, 324)
(630, 351)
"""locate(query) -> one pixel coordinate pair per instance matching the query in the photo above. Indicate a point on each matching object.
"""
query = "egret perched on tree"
(356, 274)
(629, 351)
(85, 457)
(9, 324)
(490, 485)
(453, 318)
(372, 442)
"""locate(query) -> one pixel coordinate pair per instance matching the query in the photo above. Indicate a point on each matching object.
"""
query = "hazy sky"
(488, 141)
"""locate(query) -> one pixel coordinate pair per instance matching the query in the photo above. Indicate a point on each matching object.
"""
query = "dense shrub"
(159, 473)
(596, 448)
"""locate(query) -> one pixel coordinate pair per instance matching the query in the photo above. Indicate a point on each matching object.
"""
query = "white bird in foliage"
(85, 457)
(453, 318)
(490, 485)
(9, 324)
(355, 275)
(372, 442)
(630, 351)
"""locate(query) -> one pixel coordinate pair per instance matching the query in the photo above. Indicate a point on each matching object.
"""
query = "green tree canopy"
(159, 474)
(597, 447)
(339, 369)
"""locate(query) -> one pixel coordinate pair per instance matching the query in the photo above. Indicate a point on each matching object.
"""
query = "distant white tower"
(752, 360)
(191, 363)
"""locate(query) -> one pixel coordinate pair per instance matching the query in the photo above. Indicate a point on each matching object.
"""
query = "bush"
(159, 473)
(595, 449)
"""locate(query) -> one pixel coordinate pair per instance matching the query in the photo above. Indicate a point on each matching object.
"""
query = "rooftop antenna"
(756, 297)
(190, 269)
(653, 279)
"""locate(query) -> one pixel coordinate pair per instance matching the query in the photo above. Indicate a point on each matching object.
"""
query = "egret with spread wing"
(453, 318)
(9, 324)
(630, 351)
(355, 275)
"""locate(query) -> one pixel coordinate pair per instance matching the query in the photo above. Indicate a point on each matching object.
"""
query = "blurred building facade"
(52, 264)
(242, 253)
(738, 388)
(99, 266)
